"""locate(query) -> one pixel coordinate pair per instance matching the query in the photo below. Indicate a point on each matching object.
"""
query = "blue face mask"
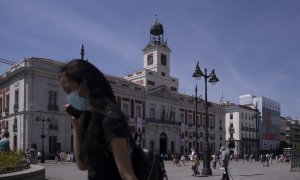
(78, 102)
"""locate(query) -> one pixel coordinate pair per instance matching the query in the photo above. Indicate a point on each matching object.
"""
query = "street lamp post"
(212, 79)
(42, 136)
(196, 99)
(257, 116)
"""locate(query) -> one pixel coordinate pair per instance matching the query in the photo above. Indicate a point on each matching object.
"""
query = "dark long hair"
(101, 99)
(80, 71)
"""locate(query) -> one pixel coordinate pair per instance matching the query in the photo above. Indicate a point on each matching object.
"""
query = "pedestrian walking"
(224, 160)
(101, 133)
(214, 160)
(194, 165)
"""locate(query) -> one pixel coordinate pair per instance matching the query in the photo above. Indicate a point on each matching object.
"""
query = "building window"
(172, 146)
(72, 143)
(163, 59)
(172, 114)
(16, 106)
(182, 117)
(163, 74)
(138, 112)
(152, 83)
(152, 113)
(52, 144)
(15, 142)
(173, 89)
(231, 116)
(7, 104)
(190, 120)
(152, 145)
(52, 103)
(125, 109)
(1, 110)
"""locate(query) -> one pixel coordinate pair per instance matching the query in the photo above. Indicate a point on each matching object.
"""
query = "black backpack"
(148, 165)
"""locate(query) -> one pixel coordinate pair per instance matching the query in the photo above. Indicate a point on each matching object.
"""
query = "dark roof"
(157, 28)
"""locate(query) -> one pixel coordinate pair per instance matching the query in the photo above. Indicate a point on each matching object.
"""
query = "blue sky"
(253, 45)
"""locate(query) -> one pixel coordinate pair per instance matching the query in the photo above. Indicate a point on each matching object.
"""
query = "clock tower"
(156, 57)
(157, 52)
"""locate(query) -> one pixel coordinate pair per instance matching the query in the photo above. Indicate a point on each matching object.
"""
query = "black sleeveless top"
(96, 152)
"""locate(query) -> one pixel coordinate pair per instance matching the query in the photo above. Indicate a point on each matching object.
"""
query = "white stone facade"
(27, 86)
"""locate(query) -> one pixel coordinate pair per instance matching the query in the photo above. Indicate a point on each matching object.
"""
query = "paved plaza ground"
(239, 171)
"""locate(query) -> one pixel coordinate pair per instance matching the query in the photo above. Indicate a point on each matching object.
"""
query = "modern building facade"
(269, 123)
(32, 104)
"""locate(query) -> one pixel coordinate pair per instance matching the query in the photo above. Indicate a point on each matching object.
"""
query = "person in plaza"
(270, 159)
(62, 156)
(224, 161)
(32, 154)
(194, 152)
(267, 160)
(175, 159)
(251, 157)
(194, 165)
(4, 142)
(214, 160)
(100, 131)
(39, 156)
(182, 159)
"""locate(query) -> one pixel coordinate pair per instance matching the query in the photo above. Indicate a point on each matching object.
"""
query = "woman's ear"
(84, 90)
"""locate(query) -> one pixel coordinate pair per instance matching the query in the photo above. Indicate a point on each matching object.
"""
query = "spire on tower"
(82, 52)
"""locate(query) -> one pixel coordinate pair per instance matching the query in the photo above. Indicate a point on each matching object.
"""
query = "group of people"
(194, 161)
(31, 154)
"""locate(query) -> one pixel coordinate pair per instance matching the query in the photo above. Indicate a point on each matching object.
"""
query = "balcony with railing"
(161, 121)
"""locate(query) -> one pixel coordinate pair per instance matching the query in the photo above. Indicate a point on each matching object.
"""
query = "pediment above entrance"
(163, 92)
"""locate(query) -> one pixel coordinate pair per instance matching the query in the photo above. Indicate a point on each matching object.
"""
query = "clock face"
(150, 60)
